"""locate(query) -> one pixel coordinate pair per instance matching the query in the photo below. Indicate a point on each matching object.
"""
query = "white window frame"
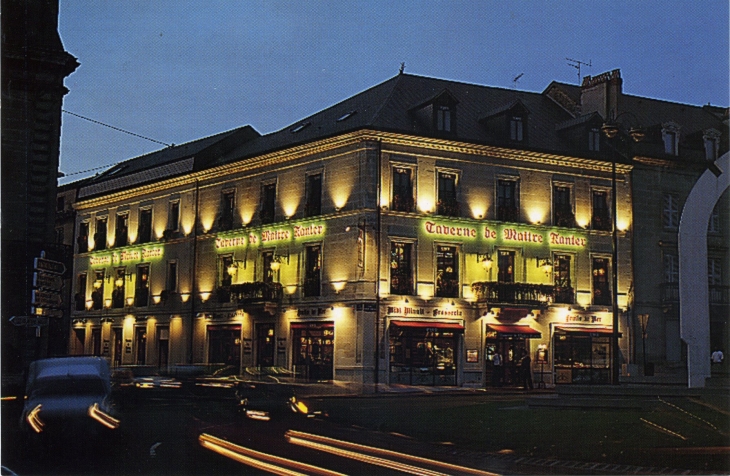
(670, 137)
(670, 211)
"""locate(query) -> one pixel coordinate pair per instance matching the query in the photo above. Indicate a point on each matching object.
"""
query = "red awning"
(312, 325)
(526, 332)
(440, 325)
(586, 330)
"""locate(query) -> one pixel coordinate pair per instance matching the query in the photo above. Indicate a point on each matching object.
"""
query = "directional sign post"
(47, 283)
(28, 321)
(49, 266)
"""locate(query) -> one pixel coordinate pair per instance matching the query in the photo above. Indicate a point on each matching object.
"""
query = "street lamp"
(612, 129)
(644, 322)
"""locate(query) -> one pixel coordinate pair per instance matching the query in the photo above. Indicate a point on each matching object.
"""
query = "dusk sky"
(180, 70)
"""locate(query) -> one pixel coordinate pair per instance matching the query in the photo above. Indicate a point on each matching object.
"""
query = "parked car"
(143, 381)
(68, 397)
(264, 401)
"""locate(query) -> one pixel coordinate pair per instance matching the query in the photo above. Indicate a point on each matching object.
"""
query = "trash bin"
(648, 369)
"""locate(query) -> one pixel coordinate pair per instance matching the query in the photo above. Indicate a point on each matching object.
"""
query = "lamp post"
(612, 129)
(644, 322)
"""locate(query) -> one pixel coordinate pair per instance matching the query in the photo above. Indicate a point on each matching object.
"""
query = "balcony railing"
(718, 294)
(522, 293)
(250, 293)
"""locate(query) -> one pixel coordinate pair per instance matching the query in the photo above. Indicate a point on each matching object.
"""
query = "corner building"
(403, 236)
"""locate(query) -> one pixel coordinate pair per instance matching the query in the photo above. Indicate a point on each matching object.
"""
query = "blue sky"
(180, 70)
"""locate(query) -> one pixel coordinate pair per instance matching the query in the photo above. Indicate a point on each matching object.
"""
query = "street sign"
(43, 298)
(47, 312)
(48, 281)
(28, 321)
(50, 266)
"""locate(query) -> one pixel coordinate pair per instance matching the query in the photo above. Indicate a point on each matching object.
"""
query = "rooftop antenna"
(577, 64)
(515, 79)
(402, 67)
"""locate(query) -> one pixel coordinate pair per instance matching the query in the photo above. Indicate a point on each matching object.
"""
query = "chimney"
(601, 94)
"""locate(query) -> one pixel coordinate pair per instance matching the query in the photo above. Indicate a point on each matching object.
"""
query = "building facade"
(406, 235)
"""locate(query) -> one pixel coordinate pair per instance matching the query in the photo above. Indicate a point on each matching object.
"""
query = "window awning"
(421, 324)
(596, 331)
(525, 332)
(312, 325)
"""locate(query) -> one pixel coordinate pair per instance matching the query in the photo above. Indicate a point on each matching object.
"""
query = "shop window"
(82, 240)
(670, 211)
(268, 202)
(100, 235)
(173, 212)
(144, 227)
(228, 203)
(447, 271)
(601, 287)
(562, 279)
(118, 289)
(80, 296)
(313, 204)
(581, 357)
(401, 271)
(600, 213)
(312, 270)
(224, 345)
(142, 287)
(447, 204)
(402, 189)
(563, 207)
(423, 355)
(97, 295)
(594, 140)
(121, 234)
(313, 346)
(508, 201)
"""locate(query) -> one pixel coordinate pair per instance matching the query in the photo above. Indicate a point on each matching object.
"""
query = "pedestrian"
(526, 370)
(717, 357)
(497, 370)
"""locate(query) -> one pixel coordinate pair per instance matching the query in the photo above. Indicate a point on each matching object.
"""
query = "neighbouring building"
(34, 66)
(405, 235)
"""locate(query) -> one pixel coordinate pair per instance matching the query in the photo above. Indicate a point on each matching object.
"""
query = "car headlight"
(34, 420)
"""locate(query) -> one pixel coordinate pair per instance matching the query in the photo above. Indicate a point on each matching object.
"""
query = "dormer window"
(711, 139)
(443, 118)
(300, 127)
(594, 140)
(516, 129)
(670, 137)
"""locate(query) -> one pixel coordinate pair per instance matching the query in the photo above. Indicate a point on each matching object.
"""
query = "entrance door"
(117, 346)
(163, 346)
(510, 349)
(265, 345)
(314, 345)
(224, 345)
(96, 341)
(140, 342)
(79, 341)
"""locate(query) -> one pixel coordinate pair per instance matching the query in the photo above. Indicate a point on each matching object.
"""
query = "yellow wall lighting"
(537, 215)
(184, 297)
(204, 296)
(425, 203)
(478, 210)
(156, 298)
(338, 285)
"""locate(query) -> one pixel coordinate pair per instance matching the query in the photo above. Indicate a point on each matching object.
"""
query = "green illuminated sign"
(504, 234)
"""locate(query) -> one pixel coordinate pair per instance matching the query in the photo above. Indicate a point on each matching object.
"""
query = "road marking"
(153, 448)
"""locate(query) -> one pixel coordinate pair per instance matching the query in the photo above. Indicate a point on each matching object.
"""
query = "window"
(562, 207)
(671, 268)
(171, 284)
(173, 214)
(506, 266)
(100, 235)
(516, 129)
(118, 290)
(313, 204)
(711, 148)
(443, 118)
(121, 233)
(80, 296)
(142, 288)
(714, 224)
(561, 278)
(600, 214)
(594, 140)
(447, 203)
(601, 287)
(59, 235)
(144, 227)
(401, 272)
(267, 258)
(507, 201)
(60, 203)
(447, 271)
(312, 268)
(670, 137)
(714, 272)
(82, 241)
(268, 202)
(97, 295)
(225, 278)
(670, 211)
(402, 189)
(228, 203)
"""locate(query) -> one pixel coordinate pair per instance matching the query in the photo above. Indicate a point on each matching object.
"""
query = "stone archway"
(694, 306)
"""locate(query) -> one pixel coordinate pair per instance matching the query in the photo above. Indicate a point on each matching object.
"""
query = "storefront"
(224, 344)
(582, 354)
(509, 341)
(313, 350)
(424, 352)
